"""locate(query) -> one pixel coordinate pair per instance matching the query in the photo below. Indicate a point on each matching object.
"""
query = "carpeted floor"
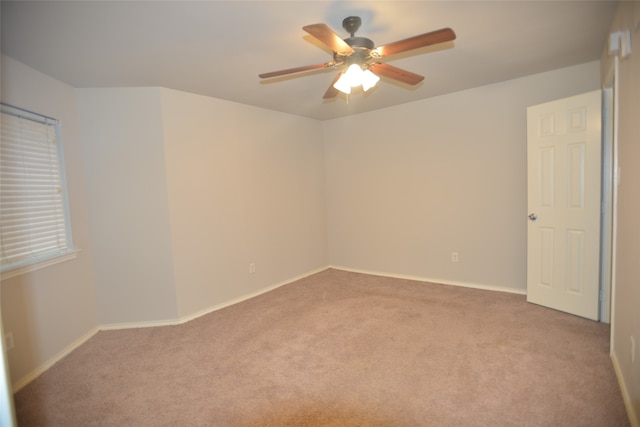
(342, 349)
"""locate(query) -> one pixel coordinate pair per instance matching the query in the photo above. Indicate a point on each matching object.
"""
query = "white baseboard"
(41, 369)
(626, 397)
(190, 317)
(136, 325)
(181, 320)
(249, 296)
(436, 281)
(170, 322)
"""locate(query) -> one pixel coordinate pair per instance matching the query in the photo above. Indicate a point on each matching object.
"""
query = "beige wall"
(125, 180)
(47, 310)
(408, 185)
(626, 298)
(185, 191)
(245, 185)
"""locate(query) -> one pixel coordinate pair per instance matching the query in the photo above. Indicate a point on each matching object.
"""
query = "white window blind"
(34, 220)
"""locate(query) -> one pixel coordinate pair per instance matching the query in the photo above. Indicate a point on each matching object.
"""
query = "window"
(34, 218)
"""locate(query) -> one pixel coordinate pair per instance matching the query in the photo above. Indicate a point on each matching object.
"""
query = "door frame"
(610, 179)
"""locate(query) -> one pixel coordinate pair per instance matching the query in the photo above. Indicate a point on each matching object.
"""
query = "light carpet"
(342, 349)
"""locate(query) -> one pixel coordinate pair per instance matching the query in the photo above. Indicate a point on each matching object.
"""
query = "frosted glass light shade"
(369, 80)
(343, 84)
(354, 75)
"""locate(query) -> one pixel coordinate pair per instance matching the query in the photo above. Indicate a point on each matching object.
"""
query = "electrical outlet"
(8, 340)
(252, 268)
(633, 348)
(455, 257)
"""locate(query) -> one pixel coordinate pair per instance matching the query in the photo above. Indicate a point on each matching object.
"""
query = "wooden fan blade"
(327, 36)
(427, 39)
(296, 70)
(332, 91)
(396, 73)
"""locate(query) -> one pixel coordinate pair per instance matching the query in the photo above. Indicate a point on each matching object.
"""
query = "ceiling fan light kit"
(355, 76)
(356, 56)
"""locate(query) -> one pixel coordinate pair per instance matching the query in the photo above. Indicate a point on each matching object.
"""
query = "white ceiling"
(218, 48)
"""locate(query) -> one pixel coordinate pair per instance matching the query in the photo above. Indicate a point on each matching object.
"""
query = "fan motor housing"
(362, 48)
(362, 42)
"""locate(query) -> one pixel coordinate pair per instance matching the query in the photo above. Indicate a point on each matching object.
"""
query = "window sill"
(17, 271)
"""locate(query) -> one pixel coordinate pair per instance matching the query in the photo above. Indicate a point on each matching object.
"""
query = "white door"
(564, 167)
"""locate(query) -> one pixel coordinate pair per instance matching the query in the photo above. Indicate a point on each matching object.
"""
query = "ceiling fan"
(358, 57)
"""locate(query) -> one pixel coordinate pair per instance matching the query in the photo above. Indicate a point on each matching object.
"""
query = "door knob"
(533, 217)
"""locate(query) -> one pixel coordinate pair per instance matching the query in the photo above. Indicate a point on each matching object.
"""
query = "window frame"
(62, 252)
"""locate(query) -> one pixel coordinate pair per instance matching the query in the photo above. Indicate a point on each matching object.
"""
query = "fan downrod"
(351, 24)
